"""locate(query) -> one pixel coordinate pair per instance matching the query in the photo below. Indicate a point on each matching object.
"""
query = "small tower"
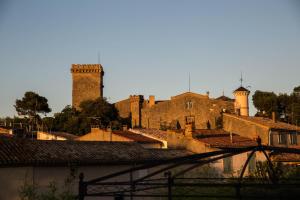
(87, 83)
(136, 105)
(241, 104)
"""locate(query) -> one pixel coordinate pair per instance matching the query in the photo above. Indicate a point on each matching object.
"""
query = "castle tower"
(87, 83)
(136, 105)
(241, 104)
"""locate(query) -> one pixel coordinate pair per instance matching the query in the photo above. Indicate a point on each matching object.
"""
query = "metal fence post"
(170, 183)
(82, 188)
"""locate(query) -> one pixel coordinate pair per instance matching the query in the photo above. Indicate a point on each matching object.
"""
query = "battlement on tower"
(86, 68)
(87, 83)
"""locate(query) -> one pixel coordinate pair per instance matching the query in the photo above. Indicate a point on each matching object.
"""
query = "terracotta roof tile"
(241, 89)
(209, 132)
(16, 152)
(286, 157)
(224, 141)
(224, 98)
(267, 122)
(62, 134)
(162, 135)
(136, 137)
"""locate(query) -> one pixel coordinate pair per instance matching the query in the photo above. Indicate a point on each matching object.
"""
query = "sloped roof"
(189, 94)
(135, 137)
(241, 89)
(209, 132)
(6, 135)
(162, 135)
(171, 153)
(22, 152)
(4, 130)
(286, 157)
(266, 122)
(224, 98)
(222, 141)
(68, 136)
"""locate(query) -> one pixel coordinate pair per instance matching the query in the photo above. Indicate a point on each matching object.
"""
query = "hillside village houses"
(186, 124)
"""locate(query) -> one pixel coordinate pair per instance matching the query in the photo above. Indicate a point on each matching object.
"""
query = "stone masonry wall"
(124, 108)
(202, 110)
(245, 128)
(87, 83)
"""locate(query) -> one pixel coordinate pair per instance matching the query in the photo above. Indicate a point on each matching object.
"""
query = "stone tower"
(136, 104)
(241, 104)
(87, 83)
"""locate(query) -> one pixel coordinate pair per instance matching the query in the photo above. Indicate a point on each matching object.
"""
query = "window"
(252, 163)
(293, 138)
(190, 119)
(282, 138)
(189, 105)
(227, 165)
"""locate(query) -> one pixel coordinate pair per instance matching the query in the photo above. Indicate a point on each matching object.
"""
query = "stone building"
(41, 135)
(39, 163)
(87, 82)
(199, 110)
(241, 101)
(270, 131)
(98, 134)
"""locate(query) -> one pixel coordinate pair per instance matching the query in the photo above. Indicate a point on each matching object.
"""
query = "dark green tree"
(92, 112)
(99, 110)
(286, 107)
(68, 120)
(30, 106)
(265, 103)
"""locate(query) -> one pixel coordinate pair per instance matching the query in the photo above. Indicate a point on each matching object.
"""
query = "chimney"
(151, 100)
(274, 117)
(207, 94)
(125, 128)
(188, 131)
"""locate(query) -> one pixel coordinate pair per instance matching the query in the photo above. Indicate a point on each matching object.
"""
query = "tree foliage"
(32, 104)
(92, 112)
(286, 107)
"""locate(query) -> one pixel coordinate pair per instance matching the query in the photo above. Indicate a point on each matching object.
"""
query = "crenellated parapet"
(87, 68)
(136, 98)
(87, 83)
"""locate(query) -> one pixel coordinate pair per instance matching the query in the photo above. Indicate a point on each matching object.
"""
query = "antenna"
(241, 79)
(189, 82)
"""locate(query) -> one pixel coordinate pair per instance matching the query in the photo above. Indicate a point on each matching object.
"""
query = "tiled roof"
(224, 98)
(6, 135)
(286, 157)
(267, 122)
(190, 94)
(135, 137)
(209, 132)
(162, 135)
(62, 134)
(171, 153)
(224, 141)
(241, 89)
(4, 130)
(21, 152)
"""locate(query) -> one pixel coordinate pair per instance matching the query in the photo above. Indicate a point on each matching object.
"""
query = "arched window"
(189, 105)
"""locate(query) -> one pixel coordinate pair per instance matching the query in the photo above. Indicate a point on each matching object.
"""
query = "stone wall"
(183, 109)
(245, 128)
(87, 83)
(136, 104)
(124, 108)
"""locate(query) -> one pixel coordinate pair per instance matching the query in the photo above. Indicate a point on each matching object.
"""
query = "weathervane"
(241, 79)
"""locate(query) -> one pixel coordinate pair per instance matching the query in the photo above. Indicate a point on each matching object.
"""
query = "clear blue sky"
(148, 47)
